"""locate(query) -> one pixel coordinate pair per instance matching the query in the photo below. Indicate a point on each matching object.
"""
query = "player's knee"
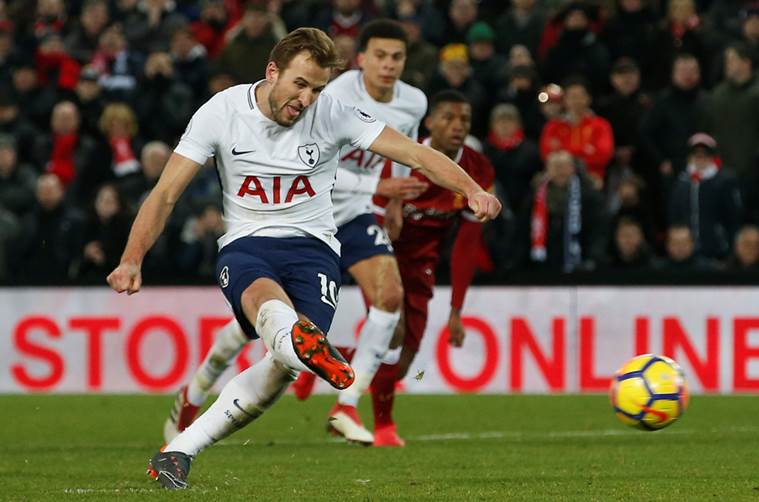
(390, 298)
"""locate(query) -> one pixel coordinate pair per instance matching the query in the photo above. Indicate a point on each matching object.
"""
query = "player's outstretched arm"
(438, 168)
(150, 221)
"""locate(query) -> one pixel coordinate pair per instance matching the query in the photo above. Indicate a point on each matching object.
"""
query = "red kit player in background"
(418, 230)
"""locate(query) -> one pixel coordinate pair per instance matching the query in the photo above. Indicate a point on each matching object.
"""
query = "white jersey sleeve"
(201, 137)
(353, 125)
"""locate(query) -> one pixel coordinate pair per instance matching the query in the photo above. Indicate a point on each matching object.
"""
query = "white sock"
(228, 343)
(373, 341)
(274, 324)
(242, 400)
(392, 356)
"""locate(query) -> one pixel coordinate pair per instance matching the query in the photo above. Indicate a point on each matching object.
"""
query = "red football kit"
(426, 221)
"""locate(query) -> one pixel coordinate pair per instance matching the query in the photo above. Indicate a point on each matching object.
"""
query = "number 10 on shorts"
(329, 290)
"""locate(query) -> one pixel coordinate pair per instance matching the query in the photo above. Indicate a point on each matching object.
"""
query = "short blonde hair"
(118, 111)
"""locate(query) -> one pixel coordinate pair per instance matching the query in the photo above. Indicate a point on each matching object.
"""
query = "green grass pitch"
(465, 448)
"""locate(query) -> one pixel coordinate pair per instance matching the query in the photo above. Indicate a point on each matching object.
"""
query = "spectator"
(152, 26)
(745, 257)
(50, 233)
(564, 218)
(578, 51)
(89, 100)
(421, 56)
(6, 48)
(17, 181)
(630, 251)
(343, 17)
(681, 253)
(55, 68)
(189, 61)
(104, 235)
(218, 80)
(488, 68)
(725, 20)
(516, 158)
(198, 249)
(163, 93)
(346, 48)
(153, 158)
(84, 38)
(521, 24)
(113, 158)
(679, 33)
(461, 16)
(580, 132)
(118, 66)
(677, 113)
(66, 148)
(707, 198)
(624, 109)
(454, 72)
(733, 115)
(522, 92)
(631, 33)
(50, 18)
(211, 28)
(629, 201)
(246, 55)
(34, 101)
(750, 30)
(11, 123)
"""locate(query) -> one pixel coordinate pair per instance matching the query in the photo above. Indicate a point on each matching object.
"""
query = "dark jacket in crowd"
(733, 120)
(674, 117)
(511, 31)
(578, 52)
(633, 35)
(48, 246)
(712, 208)
(514, 169)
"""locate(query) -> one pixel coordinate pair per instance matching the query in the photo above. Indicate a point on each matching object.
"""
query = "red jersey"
(439, 207)
(591, 140)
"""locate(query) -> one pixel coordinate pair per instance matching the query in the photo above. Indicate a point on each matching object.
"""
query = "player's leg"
(380, 281)
(418, 280)
(227, 345)
(250, 281)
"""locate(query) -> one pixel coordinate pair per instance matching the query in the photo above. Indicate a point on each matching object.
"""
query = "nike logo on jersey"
(235, 152)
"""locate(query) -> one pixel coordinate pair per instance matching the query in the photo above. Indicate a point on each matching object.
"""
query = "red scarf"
(61, 161)
(124, 161)
(539, 224)
(508, 142)
(697, 176)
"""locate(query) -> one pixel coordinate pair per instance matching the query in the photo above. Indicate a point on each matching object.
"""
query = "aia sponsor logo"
(252, 186)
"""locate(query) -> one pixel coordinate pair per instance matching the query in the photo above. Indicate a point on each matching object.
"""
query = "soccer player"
(366, 252)
(426, 221)
(276, 144)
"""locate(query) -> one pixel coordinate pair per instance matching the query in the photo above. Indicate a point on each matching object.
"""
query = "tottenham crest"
(309, 154)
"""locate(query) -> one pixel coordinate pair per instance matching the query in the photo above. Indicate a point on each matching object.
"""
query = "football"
(649, 392)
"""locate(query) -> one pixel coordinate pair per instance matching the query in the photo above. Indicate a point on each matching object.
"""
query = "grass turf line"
(459, 448)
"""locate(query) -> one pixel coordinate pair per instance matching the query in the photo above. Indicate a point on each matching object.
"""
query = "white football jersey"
(276, 181)
(403, 113)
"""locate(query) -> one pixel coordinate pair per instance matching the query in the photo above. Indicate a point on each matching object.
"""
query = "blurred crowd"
(623, 133)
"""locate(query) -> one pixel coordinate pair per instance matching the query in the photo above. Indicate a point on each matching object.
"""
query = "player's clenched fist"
(125, 277)
(484, 205)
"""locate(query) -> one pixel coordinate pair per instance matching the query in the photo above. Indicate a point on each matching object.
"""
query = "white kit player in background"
(378, 93)
(281, 233)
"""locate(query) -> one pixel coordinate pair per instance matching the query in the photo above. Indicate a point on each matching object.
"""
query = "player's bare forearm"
(438, 168)
(435, 165)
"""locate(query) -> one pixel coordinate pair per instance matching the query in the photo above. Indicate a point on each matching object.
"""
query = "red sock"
(383, 394)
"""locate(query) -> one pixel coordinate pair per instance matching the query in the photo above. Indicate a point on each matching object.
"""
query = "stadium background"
(94, 94)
